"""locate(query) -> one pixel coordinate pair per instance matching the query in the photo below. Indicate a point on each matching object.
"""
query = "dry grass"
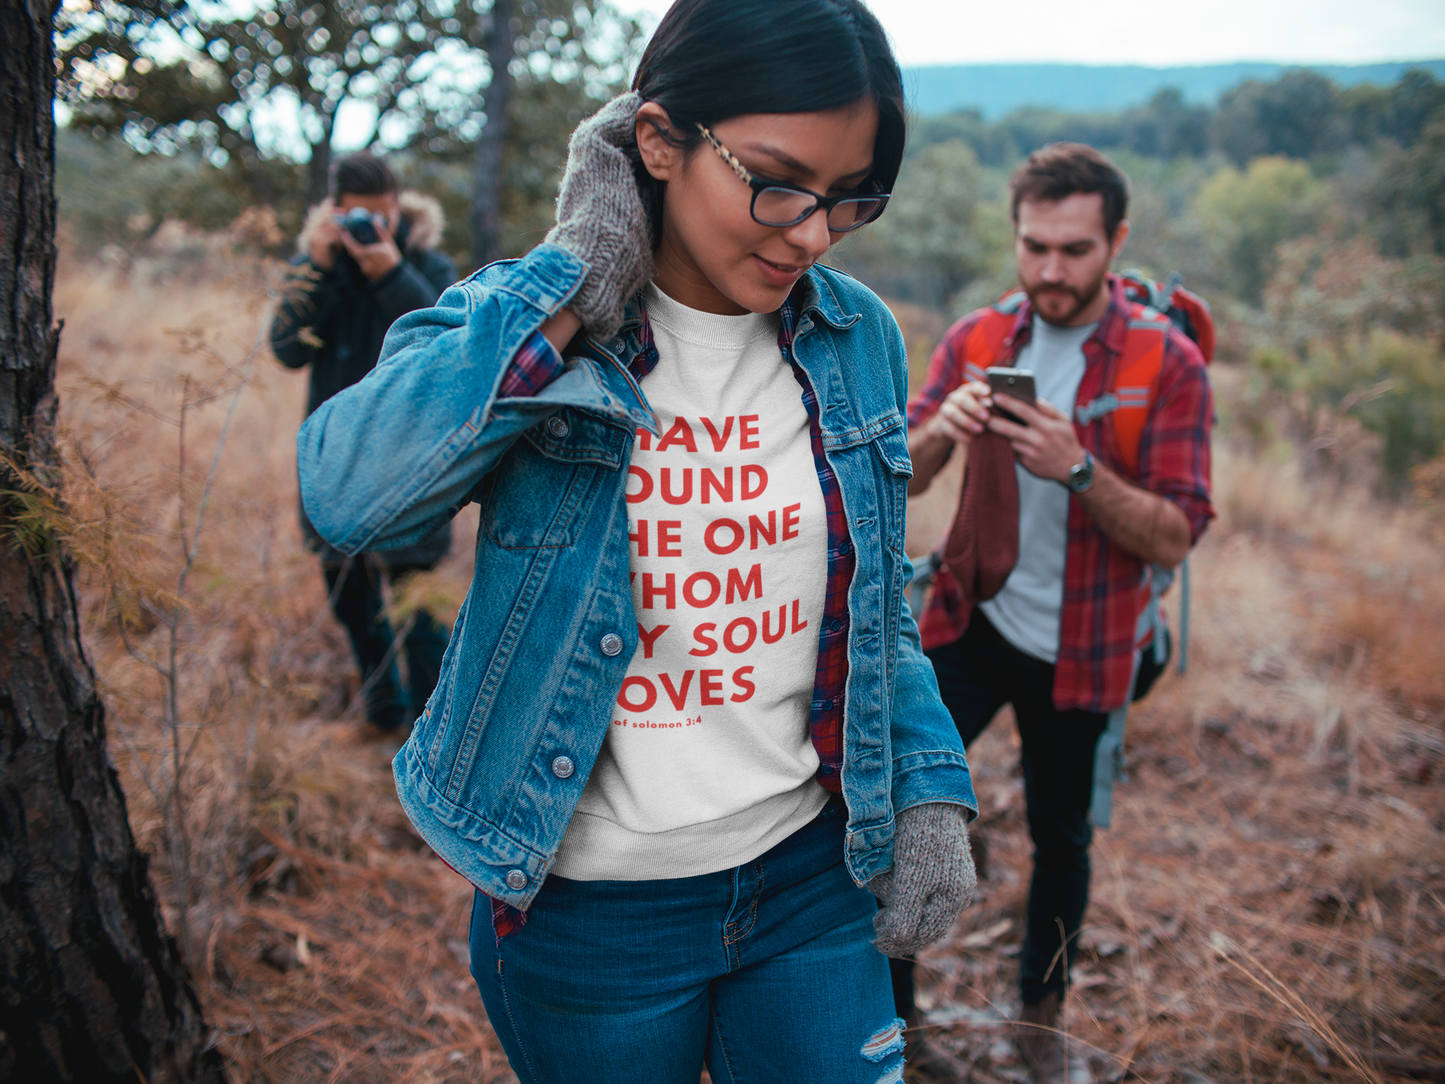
(1270, 906)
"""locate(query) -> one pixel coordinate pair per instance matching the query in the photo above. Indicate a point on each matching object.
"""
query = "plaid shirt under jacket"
(1105, 588)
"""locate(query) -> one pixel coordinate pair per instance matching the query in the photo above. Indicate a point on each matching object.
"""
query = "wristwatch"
(1081, 476)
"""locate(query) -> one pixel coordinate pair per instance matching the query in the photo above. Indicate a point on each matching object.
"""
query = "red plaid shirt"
(1104, 584)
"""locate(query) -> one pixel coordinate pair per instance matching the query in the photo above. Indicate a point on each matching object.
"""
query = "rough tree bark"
(91, 987)
(486, 210)
(318, 170)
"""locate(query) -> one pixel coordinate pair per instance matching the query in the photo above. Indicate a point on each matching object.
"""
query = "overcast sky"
(1157, 34)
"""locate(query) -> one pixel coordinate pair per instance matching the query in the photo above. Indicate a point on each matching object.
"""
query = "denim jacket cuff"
(547, 277)
(933, 775)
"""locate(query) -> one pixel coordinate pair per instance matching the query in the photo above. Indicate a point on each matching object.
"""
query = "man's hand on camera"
(1045, 444)
(325, 240)
(964, 414)
(377, 259)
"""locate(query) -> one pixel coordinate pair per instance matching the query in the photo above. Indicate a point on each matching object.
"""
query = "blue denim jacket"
(494, 768)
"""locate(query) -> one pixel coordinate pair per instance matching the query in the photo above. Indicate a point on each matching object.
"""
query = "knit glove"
(600, 218)
(931, 881)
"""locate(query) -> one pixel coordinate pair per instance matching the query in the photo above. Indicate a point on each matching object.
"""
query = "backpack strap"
(1109, 752)
(1184, 616)
(1127, 403)
(1136, 377)
(1109, 760)
(991, 337)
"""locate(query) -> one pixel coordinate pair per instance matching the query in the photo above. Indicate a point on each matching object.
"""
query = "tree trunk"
(318, 170)
(486, 212)
(91, 987)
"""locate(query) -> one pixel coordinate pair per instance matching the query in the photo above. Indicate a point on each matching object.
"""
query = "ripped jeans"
(767, 972)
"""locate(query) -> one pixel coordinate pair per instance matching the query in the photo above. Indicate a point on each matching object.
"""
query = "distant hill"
(996, 89)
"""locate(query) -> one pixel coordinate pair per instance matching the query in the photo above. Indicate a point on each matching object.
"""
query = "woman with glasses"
(685, 744)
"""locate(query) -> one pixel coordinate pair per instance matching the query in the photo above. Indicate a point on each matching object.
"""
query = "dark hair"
(710, 60)
(1061, 169)
(361, 174)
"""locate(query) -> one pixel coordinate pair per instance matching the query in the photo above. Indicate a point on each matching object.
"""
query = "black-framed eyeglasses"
(779, 204)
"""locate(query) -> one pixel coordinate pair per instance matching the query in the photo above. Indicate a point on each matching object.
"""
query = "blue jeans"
(766, 971)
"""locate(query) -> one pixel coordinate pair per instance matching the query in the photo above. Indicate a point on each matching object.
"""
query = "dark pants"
(978, 674)
(357, 603)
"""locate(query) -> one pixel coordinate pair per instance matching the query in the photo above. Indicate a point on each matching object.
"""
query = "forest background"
(1272, 905)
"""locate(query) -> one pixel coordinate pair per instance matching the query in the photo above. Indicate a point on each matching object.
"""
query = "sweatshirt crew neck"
(710, 330)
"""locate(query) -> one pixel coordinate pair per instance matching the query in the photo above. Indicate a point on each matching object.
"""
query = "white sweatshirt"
(708, 762)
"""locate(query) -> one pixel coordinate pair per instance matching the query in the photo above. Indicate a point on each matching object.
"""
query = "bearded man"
(1096, 517)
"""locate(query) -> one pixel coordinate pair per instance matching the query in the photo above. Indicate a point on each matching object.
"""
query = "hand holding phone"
(1016, 382)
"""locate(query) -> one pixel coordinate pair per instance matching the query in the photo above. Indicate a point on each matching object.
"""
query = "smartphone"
(359, 223)
(1016, 382)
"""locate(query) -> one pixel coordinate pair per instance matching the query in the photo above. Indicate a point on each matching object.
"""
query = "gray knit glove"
(931, 881)
(600, 218)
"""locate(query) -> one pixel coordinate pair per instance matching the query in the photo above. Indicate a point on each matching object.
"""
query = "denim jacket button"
(558, 427)
(516, 880)
(562, 767)
(611, 644)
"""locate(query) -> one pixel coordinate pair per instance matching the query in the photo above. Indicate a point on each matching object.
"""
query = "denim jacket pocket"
(542, 491)
(891, 448)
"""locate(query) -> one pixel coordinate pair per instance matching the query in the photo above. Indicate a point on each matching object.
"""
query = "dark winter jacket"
(335, 322)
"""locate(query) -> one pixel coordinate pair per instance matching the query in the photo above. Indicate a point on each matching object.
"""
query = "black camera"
(361, 224)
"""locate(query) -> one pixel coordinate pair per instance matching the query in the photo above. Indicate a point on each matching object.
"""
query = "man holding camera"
(1098, 509)
(367, 256)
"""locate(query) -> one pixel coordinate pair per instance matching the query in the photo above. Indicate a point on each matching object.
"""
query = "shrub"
(1246, 215)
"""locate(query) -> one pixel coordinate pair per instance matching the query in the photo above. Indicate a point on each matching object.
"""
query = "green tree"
(541, 116)
(1409, 195)
(1166, 127)
(1297, 115)
(1398, 113)
(1395, 385)
(989, 142)
(944, 228)
(263, 79)
(1246, 215)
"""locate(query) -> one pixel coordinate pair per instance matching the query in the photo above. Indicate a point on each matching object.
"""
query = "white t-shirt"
(1026, 611)
(708, 762)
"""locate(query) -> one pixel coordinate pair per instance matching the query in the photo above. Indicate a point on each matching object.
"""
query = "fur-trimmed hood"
(421, 213)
